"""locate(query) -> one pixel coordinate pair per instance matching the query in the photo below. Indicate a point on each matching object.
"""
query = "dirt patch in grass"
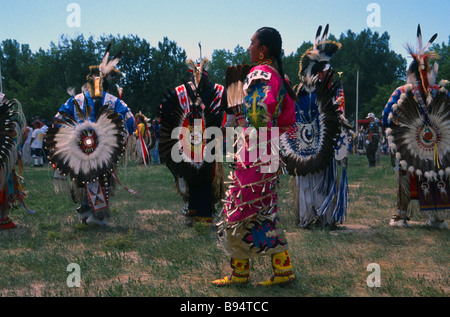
(148, 212)
(354, 228)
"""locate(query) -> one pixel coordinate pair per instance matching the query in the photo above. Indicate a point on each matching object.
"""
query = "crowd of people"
(92, 129)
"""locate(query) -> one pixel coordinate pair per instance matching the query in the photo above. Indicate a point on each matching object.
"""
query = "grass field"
(149, 252)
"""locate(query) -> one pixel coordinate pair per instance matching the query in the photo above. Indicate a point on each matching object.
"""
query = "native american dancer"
(186, 114)
(12, 191)
(144, 139)
(87, 139)
(417, 117)
(250, 226)
(318, 142)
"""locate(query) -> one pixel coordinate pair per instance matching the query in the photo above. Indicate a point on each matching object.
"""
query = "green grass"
(148, 251)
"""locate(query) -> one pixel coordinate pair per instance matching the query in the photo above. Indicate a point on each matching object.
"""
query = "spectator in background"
(37, 138)
(373, 138)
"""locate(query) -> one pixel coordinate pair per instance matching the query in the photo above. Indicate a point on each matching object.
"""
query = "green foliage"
(444, 59)
(39, 80)
(369, 53)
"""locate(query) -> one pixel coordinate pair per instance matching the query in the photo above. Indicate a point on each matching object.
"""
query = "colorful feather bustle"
(88, 150)
(172, 117)
(12, 125)
(305, 154)
(422, 140)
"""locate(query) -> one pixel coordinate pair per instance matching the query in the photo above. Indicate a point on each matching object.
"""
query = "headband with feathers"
(421, 56)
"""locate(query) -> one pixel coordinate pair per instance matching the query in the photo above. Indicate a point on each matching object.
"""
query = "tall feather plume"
(316, 39)
(324, 38)
(106, 67)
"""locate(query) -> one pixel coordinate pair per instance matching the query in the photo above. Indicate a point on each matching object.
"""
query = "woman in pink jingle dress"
(250, 226)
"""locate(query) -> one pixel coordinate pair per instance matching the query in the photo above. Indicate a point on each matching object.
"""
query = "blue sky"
(220, 24)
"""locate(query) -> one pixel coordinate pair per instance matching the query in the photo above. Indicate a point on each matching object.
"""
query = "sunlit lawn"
(149, 252)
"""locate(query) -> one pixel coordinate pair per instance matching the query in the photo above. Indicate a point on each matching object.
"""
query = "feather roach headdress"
(199, 70)
(317, 58)
(420, 69)
(100, 75)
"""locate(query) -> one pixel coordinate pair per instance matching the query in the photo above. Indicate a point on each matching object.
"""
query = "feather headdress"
(421, 57)
(316, 58)
(197, 69)
(100, 75)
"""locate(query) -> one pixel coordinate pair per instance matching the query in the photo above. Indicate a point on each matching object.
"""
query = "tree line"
(39, 80)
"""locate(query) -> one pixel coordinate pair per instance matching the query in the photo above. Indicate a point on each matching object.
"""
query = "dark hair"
(271, 38)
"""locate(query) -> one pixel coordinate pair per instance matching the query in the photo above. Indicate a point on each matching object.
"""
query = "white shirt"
(38, 138)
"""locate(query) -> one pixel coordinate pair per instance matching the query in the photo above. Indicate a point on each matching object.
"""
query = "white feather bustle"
(68, 149)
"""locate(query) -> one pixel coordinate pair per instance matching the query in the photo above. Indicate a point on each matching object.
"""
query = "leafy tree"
(222, 59)
(378, 66)
(291, 63)
(444, 60)
(168, 70)
(40, 80)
